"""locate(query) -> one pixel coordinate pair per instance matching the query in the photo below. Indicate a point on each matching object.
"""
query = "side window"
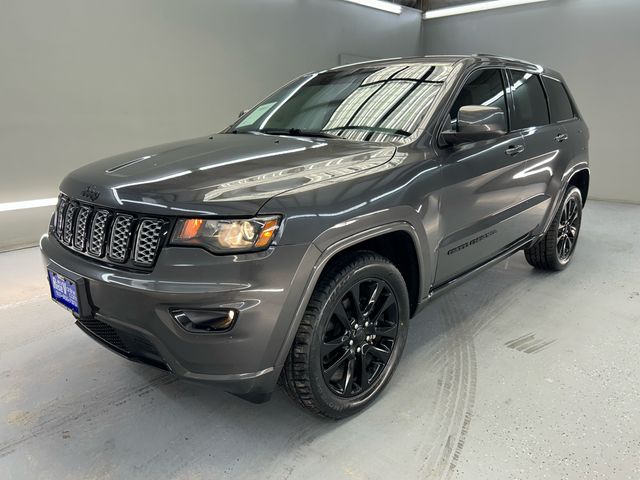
(529, 101)
(484, 87)
(559, 103)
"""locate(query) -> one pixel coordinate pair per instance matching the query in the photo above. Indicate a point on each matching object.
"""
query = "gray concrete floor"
(515, 375)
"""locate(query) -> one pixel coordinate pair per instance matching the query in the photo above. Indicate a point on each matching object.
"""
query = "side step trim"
(510, 250)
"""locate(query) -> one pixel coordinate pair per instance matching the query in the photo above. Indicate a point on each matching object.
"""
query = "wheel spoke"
(573, 232)
(331, 369)
(574, 216)
(575, 212)
(385, 331)
(388, 302)
(565, 215)
(379, 353)
(377, 290)
(332, 345)
(348, 377)
(364, 376)
(342, 316)
(355, 296)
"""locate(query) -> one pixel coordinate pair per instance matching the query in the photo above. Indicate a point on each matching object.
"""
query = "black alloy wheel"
(351, 336)
(555, 249)
(359, 337)
(568, 229)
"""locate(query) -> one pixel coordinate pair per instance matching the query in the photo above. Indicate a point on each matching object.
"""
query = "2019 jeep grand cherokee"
(297, 243)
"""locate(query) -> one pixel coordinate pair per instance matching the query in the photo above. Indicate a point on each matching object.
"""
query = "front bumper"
(129, 312)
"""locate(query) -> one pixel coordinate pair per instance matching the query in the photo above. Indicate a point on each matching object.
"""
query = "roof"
(471, 60)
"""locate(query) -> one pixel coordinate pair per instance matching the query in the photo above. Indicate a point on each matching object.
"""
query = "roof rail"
(508, 59)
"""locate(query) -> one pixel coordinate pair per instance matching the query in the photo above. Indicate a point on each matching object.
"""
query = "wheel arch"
(578, 176)
(381, 239)
(400, 248)
(580, 179)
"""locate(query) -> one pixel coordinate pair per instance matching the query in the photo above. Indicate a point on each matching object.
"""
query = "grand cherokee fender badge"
(91, 193)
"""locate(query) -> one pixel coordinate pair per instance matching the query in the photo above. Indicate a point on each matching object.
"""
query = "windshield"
(368, 103)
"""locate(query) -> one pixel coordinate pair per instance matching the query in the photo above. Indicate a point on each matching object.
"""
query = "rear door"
(564, 114)
(547, 149)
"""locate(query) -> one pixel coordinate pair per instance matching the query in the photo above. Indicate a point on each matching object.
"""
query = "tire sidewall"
(326, 399)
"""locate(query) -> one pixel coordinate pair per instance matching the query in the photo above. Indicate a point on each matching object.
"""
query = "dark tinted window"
(485, 87)
(559, 103)
(530, 104)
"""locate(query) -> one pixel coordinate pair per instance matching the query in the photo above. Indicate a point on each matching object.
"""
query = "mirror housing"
(477, 123)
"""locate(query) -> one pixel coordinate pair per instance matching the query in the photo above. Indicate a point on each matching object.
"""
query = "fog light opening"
(205, 321)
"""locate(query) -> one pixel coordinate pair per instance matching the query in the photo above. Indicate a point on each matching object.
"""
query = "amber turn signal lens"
(267, 233)
(190, 229)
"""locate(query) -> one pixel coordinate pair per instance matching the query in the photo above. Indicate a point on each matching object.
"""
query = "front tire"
(351, 336)
(555, 250)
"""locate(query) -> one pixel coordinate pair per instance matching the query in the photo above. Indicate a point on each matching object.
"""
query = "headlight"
(226, 236)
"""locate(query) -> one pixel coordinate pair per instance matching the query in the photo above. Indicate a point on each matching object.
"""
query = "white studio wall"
(595, 45)
(82, 80)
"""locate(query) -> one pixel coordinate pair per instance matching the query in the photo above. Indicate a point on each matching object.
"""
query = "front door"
(482, 195)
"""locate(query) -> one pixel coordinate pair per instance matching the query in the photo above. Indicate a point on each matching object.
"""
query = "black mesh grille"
(120, 236)
(109, 236)
(98, 233)
(147, 241)
(69, 217)
(60, 209)
(80, 236)
(129, 344)
(105, 332)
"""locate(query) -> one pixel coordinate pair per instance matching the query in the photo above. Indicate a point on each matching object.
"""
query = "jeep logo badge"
(91, 192)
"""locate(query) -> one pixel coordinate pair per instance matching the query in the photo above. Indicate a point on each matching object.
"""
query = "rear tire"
(555, 250)
(345, 350)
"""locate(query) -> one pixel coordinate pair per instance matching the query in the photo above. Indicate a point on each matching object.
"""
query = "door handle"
(561, 137)
(514, 150)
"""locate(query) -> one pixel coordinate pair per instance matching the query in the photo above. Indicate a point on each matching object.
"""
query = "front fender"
(339, 238)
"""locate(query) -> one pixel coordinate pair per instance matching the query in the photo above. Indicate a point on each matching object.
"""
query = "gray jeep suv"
(297, 243)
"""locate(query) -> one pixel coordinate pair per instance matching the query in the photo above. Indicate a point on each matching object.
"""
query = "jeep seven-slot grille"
(114, 237)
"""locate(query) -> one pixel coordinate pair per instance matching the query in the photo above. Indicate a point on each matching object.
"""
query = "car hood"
(225, 174)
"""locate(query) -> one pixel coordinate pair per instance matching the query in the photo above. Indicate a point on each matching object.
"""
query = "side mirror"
(476, 123)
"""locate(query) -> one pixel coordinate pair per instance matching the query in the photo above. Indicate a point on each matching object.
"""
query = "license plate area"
(69, 291)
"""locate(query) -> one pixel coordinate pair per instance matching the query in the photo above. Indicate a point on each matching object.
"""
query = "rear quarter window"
(559, 104)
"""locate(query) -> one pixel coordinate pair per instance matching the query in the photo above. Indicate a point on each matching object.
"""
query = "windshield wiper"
(390, 131)
(296, 132)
